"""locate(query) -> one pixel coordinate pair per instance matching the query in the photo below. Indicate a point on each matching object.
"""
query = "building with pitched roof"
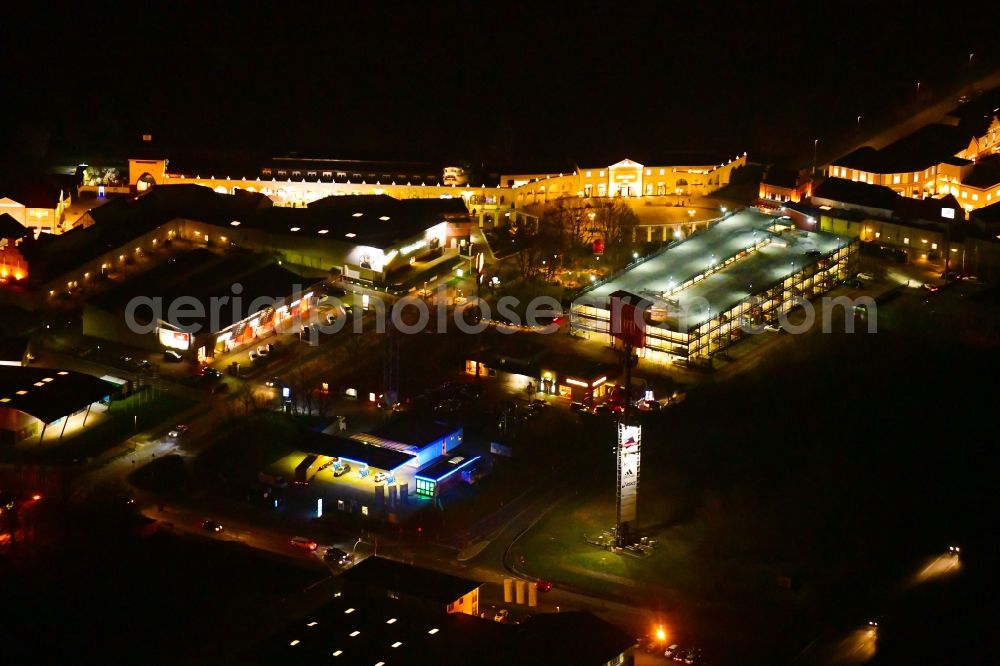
(936, 160)
(687, 175)
(36, 202)
(370, 239)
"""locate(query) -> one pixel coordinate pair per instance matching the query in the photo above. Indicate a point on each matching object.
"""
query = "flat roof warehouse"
(202, 275)
(49, 395)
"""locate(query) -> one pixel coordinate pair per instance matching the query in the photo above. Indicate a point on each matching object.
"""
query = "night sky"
(501, 83)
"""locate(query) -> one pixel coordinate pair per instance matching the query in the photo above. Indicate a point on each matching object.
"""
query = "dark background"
(503, 83)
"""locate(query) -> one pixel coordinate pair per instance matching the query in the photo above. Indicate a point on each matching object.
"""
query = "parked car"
(380, 477)
(253, 356)
(211, 373)
(170, 356)
(341, 470)
(211, 526)
(671, 651)
(692, 657)
(337, 556)
(501, 615)
(543, 586)
(273, 382)
(178, 431)
(304, 543)
(931, 287)
(576, 406)
(262, 351)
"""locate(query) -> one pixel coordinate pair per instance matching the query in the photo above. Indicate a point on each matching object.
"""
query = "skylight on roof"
(39, 384)
(354, 633)
(294, 643)
(337, 653)
(22, 393)
(4, 399)
(295, 228)
(433, 631)
(384, 218)
(348, 611)
(312, 624)
(323, 231)
(350, 234)
(234, 223)
(391, 620)
(47, 380)
(357, 215)
(397, 644)
(63, 373)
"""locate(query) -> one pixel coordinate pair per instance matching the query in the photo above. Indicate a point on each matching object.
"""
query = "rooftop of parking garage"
(760, 270)
(784, 255)
(685, 259)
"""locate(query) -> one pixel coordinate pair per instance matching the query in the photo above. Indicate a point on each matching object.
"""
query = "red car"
(543, 586)
(304, 543)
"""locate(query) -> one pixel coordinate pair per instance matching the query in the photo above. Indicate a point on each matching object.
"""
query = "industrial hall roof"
(48, 394)
(412, 581)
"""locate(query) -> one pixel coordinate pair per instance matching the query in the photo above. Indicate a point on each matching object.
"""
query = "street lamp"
(815, 148)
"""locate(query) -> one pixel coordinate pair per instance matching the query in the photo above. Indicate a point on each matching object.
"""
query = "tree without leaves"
(538, 252)
(615, 220)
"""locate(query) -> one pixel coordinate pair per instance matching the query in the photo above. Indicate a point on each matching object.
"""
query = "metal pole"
(626, 411)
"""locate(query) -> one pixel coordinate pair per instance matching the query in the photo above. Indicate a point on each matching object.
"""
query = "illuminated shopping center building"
(701, 294)
(296, 182)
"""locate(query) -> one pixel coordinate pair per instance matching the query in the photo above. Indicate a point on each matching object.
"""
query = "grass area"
(136, 413)
(557, 548)
(795, 497)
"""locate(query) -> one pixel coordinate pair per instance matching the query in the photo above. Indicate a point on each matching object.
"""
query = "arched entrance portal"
(145, 182)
